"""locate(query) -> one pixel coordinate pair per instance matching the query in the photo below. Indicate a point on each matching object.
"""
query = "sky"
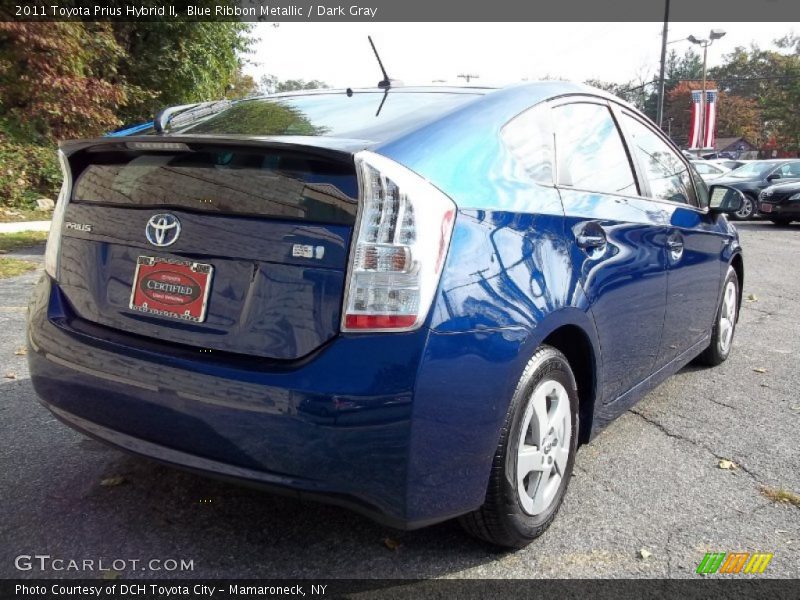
(500, 53)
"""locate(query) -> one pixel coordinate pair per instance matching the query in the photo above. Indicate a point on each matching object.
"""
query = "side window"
(589, 150)
(668, 175)
(790, 169)
(529, 138)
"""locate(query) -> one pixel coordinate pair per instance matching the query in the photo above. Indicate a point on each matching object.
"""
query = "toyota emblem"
(163, 230)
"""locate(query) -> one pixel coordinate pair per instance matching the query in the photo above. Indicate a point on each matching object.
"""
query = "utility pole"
(468, 76)
(664, 32)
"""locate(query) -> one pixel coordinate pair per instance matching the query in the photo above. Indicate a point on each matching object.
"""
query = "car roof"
(490, 109)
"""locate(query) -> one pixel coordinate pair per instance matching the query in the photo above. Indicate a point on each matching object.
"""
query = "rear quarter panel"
(506, 285)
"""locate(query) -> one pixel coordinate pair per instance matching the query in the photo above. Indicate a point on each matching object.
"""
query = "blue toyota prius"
(413, 302)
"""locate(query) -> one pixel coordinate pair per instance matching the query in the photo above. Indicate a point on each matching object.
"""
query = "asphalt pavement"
(648, 498)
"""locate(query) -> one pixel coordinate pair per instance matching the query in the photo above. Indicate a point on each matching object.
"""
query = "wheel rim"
(746, 210)
(543, 446)
(727, 317)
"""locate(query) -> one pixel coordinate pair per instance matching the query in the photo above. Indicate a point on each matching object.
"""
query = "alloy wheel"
(727, 317)
(544, 446)
(746, 211)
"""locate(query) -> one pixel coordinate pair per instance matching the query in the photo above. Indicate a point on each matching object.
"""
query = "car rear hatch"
(223, 245)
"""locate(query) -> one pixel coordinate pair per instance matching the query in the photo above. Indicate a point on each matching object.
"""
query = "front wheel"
(725, 325)
(533, 462)
(782, 222)
(747, 209)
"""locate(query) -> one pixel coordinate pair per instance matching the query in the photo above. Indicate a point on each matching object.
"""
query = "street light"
(714, 34)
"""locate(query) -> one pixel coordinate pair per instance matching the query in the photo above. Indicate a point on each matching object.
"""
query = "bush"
(27, 172)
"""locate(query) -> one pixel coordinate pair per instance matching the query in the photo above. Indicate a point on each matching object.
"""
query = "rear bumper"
(399, 427)
(337, 426)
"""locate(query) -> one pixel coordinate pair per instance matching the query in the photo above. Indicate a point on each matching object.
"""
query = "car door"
(694, 239)
(618, 240)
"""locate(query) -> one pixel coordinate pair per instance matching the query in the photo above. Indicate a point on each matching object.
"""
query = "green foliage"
(60, 80)
(27, 172)
(771, 80)
(179, 62)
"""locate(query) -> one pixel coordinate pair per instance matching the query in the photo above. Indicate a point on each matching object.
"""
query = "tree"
(180, 61)
(60, 80)
(242, 86)
(269, 84)
(772, 80)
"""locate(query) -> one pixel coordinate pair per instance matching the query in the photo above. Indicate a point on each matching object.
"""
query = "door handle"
(591, 236)
(675, 246)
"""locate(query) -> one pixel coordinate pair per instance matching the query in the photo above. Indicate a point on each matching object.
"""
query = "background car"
(752, 177)
(709, 170)
(394, 300)
(781, 203)
(728, 163)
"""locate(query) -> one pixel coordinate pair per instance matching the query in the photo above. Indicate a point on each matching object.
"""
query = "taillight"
(398, 249)
(52, 253)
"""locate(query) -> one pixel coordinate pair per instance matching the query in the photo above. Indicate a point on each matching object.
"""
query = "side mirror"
(724, 199)
(773, 176)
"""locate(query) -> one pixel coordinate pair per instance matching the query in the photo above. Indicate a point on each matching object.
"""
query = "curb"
(24, 226)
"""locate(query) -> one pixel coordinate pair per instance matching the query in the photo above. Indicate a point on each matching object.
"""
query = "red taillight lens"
(398, 249)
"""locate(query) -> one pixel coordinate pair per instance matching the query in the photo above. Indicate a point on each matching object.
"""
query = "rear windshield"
(286, 185)
(364, 115)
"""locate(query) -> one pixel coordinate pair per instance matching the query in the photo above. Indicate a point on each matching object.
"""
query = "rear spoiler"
(326, 147)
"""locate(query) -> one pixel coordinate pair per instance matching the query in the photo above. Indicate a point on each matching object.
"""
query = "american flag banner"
(709, 136)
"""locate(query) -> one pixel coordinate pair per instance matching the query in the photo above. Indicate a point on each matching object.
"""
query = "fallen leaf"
(645, 554)
(760, 370)
(752, 298)
(391, 544)
(765, 385)
(111, 574)
(728, 465)
(10, 375)
(112, 481)
(796, 408)
(21, 351)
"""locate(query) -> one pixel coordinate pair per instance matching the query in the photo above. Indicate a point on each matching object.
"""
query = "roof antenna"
(385, 83)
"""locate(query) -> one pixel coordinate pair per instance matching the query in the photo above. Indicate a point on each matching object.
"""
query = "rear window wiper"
(176, 116)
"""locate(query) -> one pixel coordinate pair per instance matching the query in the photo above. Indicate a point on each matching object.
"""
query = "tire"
(506, 518)
(721, 338)
(782, 222)
(749, 208)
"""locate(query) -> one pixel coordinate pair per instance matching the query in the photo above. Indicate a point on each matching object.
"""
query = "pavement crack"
(722, 404)
(693, 442)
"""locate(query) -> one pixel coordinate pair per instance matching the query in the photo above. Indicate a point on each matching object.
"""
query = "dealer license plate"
(175, 289)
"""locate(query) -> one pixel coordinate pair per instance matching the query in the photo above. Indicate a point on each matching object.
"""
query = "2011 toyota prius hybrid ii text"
(415, 302)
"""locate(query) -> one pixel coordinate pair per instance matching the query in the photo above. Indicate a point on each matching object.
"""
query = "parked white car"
(709, 170)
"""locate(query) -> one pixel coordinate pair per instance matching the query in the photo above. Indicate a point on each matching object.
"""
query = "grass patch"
(11, 267)
(23, 239)
(780, 495)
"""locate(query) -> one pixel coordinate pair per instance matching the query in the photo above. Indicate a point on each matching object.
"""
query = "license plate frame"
(171, 288)
(765, 208)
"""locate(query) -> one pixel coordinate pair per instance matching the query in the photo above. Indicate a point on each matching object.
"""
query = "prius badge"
(163, 230)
